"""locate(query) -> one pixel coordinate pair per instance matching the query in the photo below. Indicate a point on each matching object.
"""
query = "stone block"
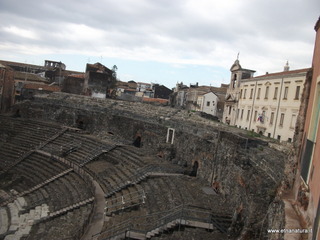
(4, 221)
(31, 214)
(10, 237)
(23, 220)
(22, 202)
(25, 231)
(14, 214)
(37, 214)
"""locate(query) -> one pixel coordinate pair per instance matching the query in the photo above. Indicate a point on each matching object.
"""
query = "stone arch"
(234, 81)
(17, 113)
(137, 142)
(82, 122)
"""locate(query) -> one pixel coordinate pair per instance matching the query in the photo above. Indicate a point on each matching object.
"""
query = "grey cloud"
(165, 25)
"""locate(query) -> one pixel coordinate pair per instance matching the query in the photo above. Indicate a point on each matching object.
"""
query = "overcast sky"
(161, 41)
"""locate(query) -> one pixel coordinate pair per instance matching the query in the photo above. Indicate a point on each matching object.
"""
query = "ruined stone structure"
(54, 71)
(6, 88)
(73, 84)
(99, 80)
(183, 171)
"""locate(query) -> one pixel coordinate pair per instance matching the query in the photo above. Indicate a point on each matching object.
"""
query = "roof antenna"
(238, 55)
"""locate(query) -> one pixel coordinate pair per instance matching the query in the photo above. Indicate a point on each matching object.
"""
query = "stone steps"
(20, 225)
(71, 207)
(4, 221)
(46, 182)
(141, 235)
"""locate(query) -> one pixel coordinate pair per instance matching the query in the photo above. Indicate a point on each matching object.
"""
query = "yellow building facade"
(268, 104)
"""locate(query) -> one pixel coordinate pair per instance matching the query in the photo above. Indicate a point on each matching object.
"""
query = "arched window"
(234, 81)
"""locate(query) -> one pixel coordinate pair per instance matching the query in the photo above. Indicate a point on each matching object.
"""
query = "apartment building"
(269, 104)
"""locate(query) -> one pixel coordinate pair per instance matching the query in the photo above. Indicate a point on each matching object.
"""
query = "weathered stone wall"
(6, 89)
(244, 170)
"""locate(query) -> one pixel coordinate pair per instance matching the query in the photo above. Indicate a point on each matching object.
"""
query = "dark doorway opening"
(194, 169)
(82, 122)
(17, 114)
(80, 125)
(137, 142)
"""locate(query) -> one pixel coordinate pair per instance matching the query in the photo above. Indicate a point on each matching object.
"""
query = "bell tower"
(233, 92)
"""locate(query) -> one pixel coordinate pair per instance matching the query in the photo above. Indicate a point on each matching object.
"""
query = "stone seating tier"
(55, 228)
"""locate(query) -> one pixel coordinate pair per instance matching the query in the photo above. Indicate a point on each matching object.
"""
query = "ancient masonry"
(75, 167)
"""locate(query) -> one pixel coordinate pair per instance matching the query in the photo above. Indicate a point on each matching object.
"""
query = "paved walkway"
(98, 216)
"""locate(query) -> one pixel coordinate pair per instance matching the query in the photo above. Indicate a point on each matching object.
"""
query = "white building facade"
(269, 104)
(207, 103)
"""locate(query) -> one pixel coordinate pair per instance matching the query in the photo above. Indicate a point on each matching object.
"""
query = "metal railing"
(153, 223)
(129, 200)
(139, 176)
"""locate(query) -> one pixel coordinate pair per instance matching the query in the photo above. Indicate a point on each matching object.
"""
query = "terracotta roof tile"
(160, 100)
(282, 73)
(77, 75)
(43, 87)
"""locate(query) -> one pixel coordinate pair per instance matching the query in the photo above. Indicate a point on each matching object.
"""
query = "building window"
(258, 94)
(255, 115)
(261, 117)
(208, 103)
(248, 115)
(267, 93)
(245, 93)
(279, 137)
(297, 93)
(240, 93)
(275, 93)
(285, 95)
(242, 113)
(229, 110)
(234, 82)
(271, 117)
(238, 113)
(251, 93)
(269, 135)
(293, 121)
(281, 119)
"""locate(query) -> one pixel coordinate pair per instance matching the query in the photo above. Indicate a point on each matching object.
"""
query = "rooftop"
(28, 77)
(283, 73)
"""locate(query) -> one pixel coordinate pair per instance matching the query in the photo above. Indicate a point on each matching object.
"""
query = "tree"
(114, 71)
